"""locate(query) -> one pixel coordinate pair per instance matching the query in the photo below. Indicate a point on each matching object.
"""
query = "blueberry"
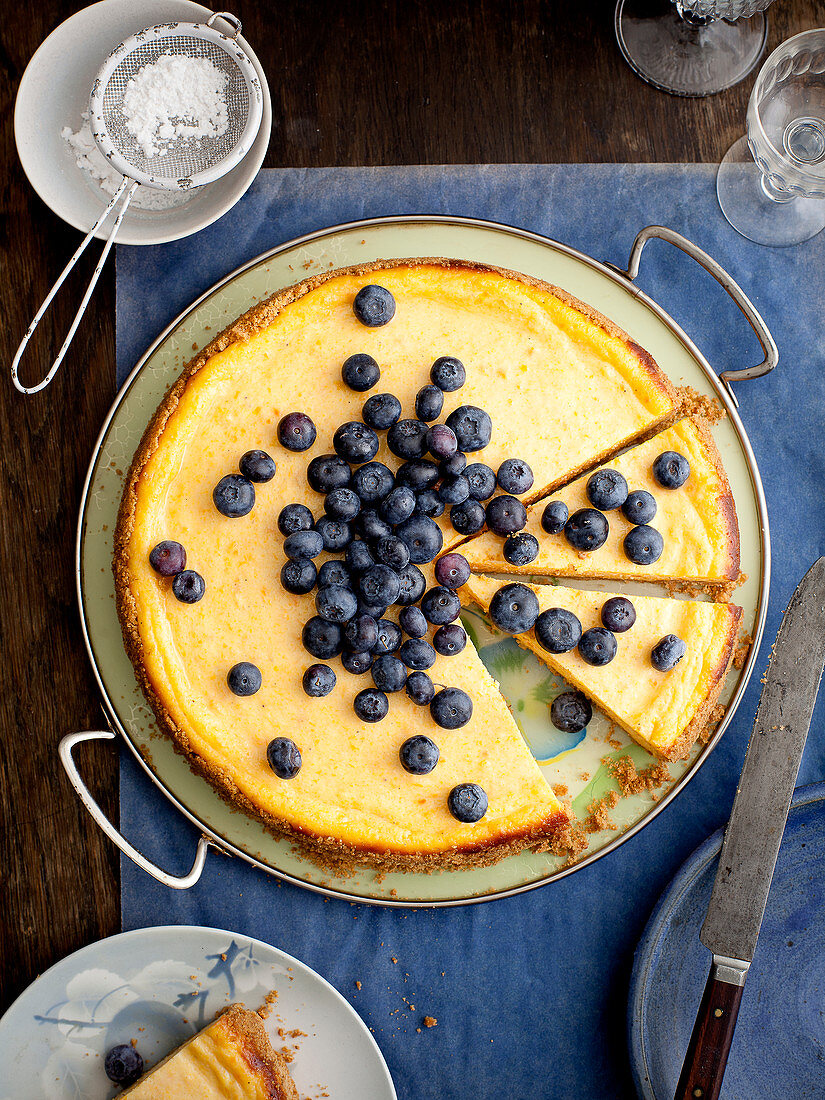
(234, 496)
(441, 442)
(412, 585)
(618, 614)
(448, 373)
(606, 489)
(296, 432)
(355, 442)
(374, 306)
(360, 372)
(389, 637)
(587, 529)
(558, 630)
(361, 633)
(336, 533)
(417, 654)
(451, 708)
(357, 661)
(452, 570)
(454, 490)
(358, 556)
(429, 401)
(342, 504)
(304, 544)
(295, 517)
(318, 680)
(514, 608)
(393, 552)
(412, 622)
(428, 503)
(335, 603)
(423, 538)
(188, 586)
(570, 712)
(420, 688)
(298, 577)
(371, 705)
(372, 526)
(418, 755)
(244, 678)
(472, 426)
(257, 466)
(671, 470)
(388, 673)
(284, 757)
(168, 558)
(667, 653)
(520, 548)
(450, 639)
(381, 411)
(640, 507)
(467, 802)
(554, 517)
(334, 571)
(376, 611)
(379, 584)
(643, 545)
(597, 646)
(123, 1064)
(418, 473)
(372, 482)
(482, 481)
(321, 638)
(468, 517)
(398, 505)
(505, 515)
(440, 605)
(328, 472)
(514, 476)
(453, 464)
(408, 438)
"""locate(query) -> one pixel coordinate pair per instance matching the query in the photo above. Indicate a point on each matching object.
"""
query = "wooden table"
(380, 82)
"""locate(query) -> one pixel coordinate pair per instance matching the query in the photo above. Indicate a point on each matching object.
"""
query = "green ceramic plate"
(575, 761)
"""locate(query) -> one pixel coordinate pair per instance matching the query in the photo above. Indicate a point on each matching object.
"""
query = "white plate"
(54, 92)
(161, 985)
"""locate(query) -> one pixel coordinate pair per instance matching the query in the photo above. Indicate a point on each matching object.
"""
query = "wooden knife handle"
(709, 1046)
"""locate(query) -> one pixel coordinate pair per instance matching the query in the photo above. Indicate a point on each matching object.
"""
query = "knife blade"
(754, 832)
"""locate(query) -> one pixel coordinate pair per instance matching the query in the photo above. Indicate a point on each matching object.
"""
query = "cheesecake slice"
(663, 711)
(231, 1059)
(697, 521)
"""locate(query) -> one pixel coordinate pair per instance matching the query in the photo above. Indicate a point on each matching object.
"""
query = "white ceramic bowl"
(54, 93)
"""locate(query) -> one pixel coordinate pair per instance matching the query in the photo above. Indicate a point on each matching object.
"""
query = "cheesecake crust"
(248, 1029)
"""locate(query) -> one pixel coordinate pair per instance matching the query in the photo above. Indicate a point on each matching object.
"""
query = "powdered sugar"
(175, 97)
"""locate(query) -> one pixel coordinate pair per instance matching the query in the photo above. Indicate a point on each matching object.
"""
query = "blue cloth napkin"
(529, 992)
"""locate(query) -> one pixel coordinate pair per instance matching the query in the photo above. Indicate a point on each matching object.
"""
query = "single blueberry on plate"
(606, 489)
(451, 708)
(520, 548)
(472, 426)
(388, 673)
(298, 576)
(468, 517)
(188, 586)
(423, 538)
(371, 526)
(372, 482)
(168, 558)
(391, 551)
(514, 608)
(284, 757)
(667, 653)
(482, 481)
(440, 605)
(441, 442)
(244, 678)
(643, 545)
(587, 530)
(448, 373)
(257, 466)
(429, 401)
(570, 712)
(335, 603)
(295, 517)
(450, 639)
(640, 506)
(381, 411)
(371, 705)
(554, 517)
(618, 614)
(304, 544)
(357, 661)
(454, 490)
(598, 646)
(321, 638)
(358, 556)
(374, 306)
(418, 755)
(420, 688)
(428, 503)
(360, 372)
(389, 637)
(671, 470)
(361, 633)
(467, 802)
(417, 654)
(453, 464)
(318, 680)
(296, 431)
(408, 438)
(342, 504)
(123, 1064)
(452, 570)
(412, 622)
(412, 585)
(418, 473)
(336, 533)
(355, 442)
(506, 515)
(234, 496)
(558, 630)
(379, 585)
(514, 476)
(327, 472)
(398, 505)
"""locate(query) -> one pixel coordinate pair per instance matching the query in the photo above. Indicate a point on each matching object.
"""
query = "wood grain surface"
(353, 82)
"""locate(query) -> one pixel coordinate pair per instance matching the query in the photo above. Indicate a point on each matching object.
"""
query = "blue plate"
(778, 1050)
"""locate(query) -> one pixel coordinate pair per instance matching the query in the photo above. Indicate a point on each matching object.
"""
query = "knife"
(754, 832)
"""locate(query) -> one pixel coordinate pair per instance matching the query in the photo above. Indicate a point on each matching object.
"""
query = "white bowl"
(54, 93)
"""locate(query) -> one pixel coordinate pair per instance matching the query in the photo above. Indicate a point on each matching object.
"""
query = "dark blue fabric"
(530, 993)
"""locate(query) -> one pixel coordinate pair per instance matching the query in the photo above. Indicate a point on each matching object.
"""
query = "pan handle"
(727, 282)
(183, 882)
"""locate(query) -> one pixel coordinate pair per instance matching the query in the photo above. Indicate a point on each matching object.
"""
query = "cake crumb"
(740, 654)
(632, 781)
(430, 1021)
(598, 815)
(697, 404)
(357, 985)
(561, 790)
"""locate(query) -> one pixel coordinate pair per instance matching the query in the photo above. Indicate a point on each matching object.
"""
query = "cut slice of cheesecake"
(697, 521)
(231, 1059)
(664, 711)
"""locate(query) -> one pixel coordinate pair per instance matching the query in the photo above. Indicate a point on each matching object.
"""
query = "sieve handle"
(182, 882)
(229, 18)
(127, 183)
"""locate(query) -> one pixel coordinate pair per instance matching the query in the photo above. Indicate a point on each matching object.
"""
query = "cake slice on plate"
(663, 708)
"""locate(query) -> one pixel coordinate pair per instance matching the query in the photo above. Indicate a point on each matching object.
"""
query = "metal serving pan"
(611, 291)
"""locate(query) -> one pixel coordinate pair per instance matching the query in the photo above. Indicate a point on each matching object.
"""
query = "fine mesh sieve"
(179, 163)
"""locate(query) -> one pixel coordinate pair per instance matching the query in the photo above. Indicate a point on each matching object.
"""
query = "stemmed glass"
(771, 183)
(692, 47)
